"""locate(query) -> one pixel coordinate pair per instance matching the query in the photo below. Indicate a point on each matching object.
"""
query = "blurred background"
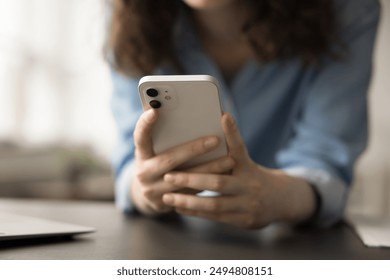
(56, 129)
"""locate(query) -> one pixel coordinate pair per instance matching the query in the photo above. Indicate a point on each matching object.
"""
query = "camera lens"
(155, 104)
(152, 92)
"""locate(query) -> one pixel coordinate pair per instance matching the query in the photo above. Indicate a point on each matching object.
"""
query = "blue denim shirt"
(310, 122)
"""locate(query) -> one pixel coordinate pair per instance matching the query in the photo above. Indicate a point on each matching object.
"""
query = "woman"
(294, 77)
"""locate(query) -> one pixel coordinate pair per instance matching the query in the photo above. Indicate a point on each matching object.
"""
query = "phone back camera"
(155, 104)
(152, 92)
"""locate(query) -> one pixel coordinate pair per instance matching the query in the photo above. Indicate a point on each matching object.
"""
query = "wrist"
(297, 199)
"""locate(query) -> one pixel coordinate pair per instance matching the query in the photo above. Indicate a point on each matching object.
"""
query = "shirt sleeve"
(331, 130)
(126, 108)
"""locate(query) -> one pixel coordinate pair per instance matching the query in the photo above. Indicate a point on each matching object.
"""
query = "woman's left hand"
(251, 196)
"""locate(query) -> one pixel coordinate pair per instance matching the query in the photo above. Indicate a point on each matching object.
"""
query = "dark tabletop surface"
(135, 237)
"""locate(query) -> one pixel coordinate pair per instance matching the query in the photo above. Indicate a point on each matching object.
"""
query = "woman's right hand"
(148, 185)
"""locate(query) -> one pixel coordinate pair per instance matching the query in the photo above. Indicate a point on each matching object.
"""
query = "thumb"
(234, 141)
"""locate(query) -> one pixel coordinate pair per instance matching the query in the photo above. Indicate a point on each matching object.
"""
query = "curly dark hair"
(141, 35)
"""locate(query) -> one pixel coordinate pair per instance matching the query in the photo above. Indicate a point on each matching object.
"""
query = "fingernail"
(230, 120)
(168, 199)
(150, 115)
(168, 178)
(211, 142)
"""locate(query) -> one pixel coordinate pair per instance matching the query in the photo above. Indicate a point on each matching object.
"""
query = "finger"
(152, 200)
(174, 157)
(235, 143)
(220, 204)
(153, 196)
(225, 184)
(218, 166)
(143, 135)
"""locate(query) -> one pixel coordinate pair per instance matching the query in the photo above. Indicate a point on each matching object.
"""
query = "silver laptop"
(14, 226)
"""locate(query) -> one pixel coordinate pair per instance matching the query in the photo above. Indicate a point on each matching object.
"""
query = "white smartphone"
(189, 108)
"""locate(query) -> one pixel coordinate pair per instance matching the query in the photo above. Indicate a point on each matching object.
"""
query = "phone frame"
(191, 108)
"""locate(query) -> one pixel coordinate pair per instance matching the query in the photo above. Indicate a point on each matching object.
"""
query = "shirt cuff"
(123, 199)
(332, 194)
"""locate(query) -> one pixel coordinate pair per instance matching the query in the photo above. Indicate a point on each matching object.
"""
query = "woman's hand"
(148, 185)
(251, 197)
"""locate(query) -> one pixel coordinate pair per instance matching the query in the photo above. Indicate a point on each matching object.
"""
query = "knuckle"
(141, 175)
(197, 148)
(214, 205)
(184, 179)
(148, 193)
(250, 222)
(255, 204)
(182, 203)
(187, 203)
(168, 161)
(180, 179)
(218, 183)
